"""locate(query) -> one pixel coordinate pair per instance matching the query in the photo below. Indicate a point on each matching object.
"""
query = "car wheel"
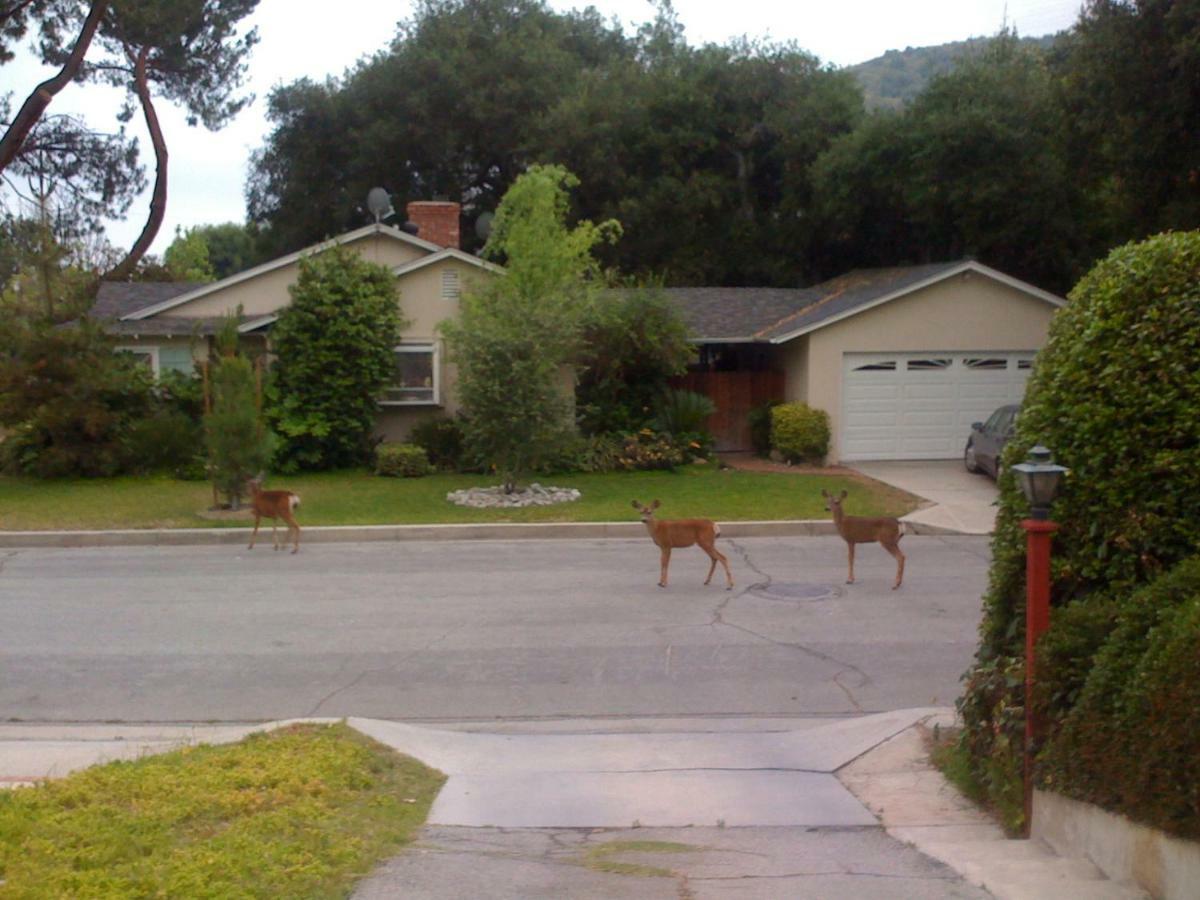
(969, 459)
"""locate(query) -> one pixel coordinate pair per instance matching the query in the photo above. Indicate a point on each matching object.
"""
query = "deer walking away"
(274, 505)
(671, 533)
(867, 530)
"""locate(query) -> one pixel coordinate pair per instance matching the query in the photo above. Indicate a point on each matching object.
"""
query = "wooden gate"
(735, 394)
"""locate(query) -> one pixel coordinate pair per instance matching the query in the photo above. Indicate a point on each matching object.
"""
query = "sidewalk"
(753, 809)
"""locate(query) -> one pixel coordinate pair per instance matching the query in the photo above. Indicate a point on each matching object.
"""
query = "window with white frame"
(416, 376)
(148, 356)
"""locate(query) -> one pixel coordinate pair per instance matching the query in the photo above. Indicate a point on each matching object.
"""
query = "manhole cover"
(795, 591)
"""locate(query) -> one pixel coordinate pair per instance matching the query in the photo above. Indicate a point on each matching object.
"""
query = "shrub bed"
(1131, 741)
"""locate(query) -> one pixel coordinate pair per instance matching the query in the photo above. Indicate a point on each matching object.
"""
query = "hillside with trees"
(896, 78)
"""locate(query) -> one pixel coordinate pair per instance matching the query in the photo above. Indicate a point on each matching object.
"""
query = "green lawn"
(360, 498)
(299, 812)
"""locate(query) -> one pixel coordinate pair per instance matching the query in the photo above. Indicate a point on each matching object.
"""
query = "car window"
(993, 422)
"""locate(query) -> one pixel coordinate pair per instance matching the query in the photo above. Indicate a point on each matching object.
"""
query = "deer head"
(647, 511)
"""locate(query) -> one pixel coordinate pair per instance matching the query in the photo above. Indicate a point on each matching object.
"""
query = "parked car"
(987, 440)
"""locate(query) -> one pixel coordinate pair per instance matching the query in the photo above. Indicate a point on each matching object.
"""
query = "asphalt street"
(447, 631)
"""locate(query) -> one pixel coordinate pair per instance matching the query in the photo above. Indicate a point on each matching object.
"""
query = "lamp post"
(1039, 479)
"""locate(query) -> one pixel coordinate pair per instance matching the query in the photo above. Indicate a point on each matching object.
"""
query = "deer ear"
(656, 504)
(636, 505)
(845, 494)
(824, 493)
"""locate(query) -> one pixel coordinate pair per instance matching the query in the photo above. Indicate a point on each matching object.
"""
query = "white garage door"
(921, 405)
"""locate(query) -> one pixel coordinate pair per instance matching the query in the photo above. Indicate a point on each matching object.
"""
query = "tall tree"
(518, 332)
(56, 17)
(1130, 72)
(449, 109)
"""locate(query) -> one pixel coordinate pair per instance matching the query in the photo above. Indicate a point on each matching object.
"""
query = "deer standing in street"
(274, 505)
(669, 533)
(863, 530)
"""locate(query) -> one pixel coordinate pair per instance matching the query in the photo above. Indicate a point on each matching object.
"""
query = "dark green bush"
(442, 440)
(760, 428)
(680, 412)
(402, 461)
(1131, 743)
(799, 432)
(1115, 394)
(166, 441)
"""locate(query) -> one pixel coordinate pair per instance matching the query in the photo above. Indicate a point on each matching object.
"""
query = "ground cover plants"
(303, 811)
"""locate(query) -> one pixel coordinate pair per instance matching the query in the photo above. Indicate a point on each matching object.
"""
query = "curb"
(340, 534)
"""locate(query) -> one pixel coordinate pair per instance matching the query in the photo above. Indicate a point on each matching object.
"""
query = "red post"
(1037, 619)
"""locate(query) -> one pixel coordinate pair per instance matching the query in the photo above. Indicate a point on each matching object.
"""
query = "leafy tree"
(1129, 70)
(334, 355)
(231, 247)
(73, 178)
(633, 341)
(517, 332)
(428, 117)
(187, 257)
(975, 166)
(55, 17)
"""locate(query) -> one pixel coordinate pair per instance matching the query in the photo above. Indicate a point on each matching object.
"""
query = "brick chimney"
(436, 221)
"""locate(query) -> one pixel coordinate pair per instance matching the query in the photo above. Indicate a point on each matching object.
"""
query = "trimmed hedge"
(1115, 394)
(402, 461)
(1132, 741)
(800, 433)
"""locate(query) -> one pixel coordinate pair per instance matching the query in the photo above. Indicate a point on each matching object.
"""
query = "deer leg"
(717, 557)
(254, 533)
(894, 549)
(275, 532)
(293, 524)
(850, 580)
(666, 561)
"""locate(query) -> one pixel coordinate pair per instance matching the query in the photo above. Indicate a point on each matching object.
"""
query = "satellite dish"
(379, 203)
(483, 225)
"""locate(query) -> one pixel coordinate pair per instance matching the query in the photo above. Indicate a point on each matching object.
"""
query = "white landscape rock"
(533, 495)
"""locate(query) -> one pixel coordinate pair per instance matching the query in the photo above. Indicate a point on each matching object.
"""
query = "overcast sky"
(208, 170)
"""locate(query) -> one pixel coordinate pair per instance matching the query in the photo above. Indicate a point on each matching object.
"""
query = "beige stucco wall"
(793, 360)
(967, 312)
(267, 292)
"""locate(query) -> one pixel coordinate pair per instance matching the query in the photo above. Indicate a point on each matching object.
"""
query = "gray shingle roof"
(120, 298)
(764, 314)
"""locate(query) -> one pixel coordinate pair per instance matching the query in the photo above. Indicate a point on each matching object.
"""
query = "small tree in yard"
(517, 332)
(335, 353)
(238, 445)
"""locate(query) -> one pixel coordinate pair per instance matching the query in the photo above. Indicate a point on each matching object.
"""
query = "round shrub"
(1115, 394)
(401, 461)
(799, 432)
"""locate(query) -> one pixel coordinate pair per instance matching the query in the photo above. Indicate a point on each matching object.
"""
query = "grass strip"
(303, 811)
(357, 497)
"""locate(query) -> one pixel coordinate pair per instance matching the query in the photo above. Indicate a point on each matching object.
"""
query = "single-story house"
(171, 324)
(902, 359)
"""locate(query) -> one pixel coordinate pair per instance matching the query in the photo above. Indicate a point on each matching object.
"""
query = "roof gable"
(204, 290)
(778, 315)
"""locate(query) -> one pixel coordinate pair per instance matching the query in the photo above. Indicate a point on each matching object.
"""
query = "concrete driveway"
(959, 502)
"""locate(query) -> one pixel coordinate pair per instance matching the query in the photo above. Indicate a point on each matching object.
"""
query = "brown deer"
(864, 530)
(274, 505)
(668, 533)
